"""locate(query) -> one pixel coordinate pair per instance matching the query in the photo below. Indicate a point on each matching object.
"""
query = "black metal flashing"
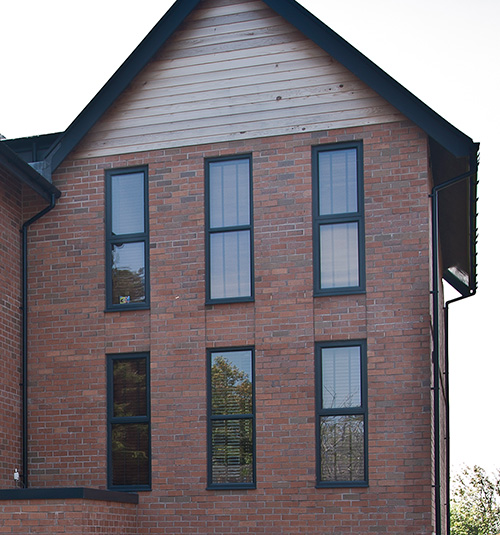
(22, 171)
(408, 104)
(68, 493)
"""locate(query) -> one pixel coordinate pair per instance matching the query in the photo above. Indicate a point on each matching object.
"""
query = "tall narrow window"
(129, 465)
(127, 240)
(229, 230)
(338, 216)
(341, 414)
(231, 421)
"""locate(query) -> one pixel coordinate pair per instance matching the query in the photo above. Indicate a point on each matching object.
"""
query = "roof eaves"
(22, 171)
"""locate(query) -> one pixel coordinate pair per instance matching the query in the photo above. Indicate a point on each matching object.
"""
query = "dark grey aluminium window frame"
(126, 420)
(331, 219)
(210, 231)
(321, 412)
(211, 418)
(112, 239)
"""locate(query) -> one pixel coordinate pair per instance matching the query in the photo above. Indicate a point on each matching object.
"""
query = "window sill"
(341, 484)
(230, 300)
(242, 486)
(127, 308)
(341, 291)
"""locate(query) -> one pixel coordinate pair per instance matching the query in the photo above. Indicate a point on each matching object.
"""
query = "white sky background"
(55, 55)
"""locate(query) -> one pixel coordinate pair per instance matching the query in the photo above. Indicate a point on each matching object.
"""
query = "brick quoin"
(72, 334)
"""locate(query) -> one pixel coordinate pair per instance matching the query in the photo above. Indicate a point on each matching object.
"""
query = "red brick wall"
(73, 334)
(74, 517)
(10, 327)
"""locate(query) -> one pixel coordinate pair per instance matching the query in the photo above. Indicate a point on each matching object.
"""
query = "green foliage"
(475, 503)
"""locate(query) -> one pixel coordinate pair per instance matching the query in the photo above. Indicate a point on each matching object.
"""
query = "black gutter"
(24, 312)
(436, 332)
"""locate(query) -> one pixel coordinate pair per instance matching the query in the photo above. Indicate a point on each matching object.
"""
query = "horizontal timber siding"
(229, 73)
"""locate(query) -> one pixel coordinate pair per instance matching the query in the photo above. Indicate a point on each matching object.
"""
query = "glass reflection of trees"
(129, 437)
(232, 437)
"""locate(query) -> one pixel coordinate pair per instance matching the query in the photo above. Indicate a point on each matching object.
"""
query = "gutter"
(436, 333)
(24, 343)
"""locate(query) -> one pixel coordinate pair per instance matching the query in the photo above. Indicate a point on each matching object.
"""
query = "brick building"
(233, 309)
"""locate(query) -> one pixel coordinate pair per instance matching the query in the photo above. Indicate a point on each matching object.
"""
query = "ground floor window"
(129, 436)
(231, 419)
(341, 415)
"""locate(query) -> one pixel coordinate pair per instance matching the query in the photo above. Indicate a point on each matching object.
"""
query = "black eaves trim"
(71, 493)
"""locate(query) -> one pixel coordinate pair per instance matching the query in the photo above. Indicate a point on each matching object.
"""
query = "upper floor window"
(341, 414)
(231, 419)
(129, 450)
(229, 229)
(338, 219)
(127, 239)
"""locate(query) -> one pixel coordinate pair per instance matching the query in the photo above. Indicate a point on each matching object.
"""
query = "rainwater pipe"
(24, 343)
(436, 281)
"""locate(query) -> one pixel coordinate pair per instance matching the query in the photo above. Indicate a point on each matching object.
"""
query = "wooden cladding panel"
(234, 72)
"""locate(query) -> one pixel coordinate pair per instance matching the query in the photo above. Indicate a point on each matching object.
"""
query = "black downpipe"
(436, 338)
(24, 313)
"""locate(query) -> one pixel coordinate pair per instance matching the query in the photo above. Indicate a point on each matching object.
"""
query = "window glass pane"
(130, 454)
(230, 264)
(128, 273)
(342, 448)
(127, 203)
(229, 193)
(339, 262)
(232, 382)
(341, 367)
(338, 188)
(232, 451)
(129, 387)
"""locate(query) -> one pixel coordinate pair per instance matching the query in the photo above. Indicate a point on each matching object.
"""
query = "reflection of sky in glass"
(341, 367)
(127, 204)
(339, 255)
(338, 189)
(241, 359)
(230, 264)
(229, 193)
(128, 256)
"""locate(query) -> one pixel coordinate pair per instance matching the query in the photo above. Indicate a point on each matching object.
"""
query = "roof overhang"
(22, 171)
(456, 179)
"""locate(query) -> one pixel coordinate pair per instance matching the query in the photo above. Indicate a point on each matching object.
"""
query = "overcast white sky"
(55, 55)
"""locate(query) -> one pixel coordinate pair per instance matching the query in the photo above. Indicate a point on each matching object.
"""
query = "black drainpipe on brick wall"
(436, 281)
(24, 343)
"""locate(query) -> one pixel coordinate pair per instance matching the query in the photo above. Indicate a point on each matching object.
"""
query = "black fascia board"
(68, 493)
(408, 104)
(131, 67)
(21, 170)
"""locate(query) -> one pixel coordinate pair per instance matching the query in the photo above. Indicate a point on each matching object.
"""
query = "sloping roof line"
(452, 139)
(22, 171)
